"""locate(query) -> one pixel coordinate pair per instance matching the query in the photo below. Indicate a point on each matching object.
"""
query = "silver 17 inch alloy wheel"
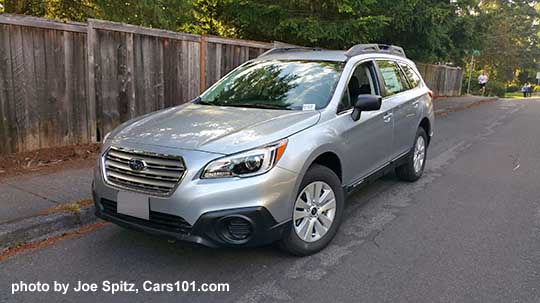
(314, 211)
(419, 154)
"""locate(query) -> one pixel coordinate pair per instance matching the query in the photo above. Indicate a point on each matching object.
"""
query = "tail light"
(430, 93)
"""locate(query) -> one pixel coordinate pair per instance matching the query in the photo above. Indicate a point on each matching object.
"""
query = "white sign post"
(538, 79)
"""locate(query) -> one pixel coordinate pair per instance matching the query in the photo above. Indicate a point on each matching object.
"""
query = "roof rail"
(277, 50)
(375, 48)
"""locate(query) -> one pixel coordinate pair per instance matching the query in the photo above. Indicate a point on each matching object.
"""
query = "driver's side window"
(360, 83)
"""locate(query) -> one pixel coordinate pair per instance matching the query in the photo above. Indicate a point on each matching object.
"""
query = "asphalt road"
(468, 231)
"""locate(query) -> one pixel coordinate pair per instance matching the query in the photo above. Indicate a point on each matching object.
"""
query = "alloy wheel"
(314, 211)
(419, 154)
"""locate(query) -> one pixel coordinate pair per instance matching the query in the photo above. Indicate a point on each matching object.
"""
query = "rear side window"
(411, 75)
(393, 78)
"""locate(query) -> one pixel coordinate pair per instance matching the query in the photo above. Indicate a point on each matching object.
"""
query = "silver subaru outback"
(270, 152)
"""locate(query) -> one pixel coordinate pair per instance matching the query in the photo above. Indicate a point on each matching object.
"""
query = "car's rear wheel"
(317, 212)
(413, 168)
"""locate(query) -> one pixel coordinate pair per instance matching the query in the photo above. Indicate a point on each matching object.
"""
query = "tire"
(297, 240)
(408, 171)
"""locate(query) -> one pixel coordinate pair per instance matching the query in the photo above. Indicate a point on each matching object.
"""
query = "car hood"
(215, 129)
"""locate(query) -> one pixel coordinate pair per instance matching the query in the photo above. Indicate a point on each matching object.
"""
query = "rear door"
(397, 97)
(412, 110)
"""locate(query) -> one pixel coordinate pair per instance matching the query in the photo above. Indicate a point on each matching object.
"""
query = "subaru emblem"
(137, 164)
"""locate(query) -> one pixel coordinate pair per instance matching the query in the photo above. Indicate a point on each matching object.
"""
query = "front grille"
(160, 174)
(160, 221)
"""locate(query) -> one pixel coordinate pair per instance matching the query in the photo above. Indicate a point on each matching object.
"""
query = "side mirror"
(366, 103)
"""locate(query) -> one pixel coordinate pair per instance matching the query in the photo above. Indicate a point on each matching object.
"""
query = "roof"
(318, 54)
(315, 55)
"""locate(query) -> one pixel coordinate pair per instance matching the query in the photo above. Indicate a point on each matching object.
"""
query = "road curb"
(41, 227)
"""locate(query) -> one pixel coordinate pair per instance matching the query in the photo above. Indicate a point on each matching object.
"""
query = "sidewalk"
(27, 196)
(446, 105)
(26, 199)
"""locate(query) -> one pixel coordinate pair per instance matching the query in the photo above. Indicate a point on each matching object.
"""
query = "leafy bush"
(496, 88)
(512, 88)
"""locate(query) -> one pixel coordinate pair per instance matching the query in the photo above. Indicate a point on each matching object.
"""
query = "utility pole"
(471, 67)
(475, 52)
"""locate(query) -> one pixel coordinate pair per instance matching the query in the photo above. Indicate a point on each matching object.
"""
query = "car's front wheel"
(317, 212)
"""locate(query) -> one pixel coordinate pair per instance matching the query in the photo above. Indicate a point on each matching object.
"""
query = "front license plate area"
(133, 204)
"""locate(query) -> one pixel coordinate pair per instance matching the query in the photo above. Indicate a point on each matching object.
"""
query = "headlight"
(246, 164)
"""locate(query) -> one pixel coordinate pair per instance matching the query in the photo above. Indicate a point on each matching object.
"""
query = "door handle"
(387, 117)
(415, 103)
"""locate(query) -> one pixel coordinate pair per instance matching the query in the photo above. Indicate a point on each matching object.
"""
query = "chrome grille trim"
(163, 173)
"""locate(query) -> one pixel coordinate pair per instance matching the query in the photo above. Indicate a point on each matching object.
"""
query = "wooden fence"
(445, 81)
(43, 95)
(65, 83)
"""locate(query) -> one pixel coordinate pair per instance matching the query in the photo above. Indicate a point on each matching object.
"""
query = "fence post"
(91, 106)
(460, 81)
(130, 85)
(202, 65)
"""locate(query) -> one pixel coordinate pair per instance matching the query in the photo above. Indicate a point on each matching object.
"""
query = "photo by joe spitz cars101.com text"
(269, 152)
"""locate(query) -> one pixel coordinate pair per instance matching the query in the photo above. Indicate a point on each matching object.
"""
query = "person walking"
(524, 90)
(482, 80)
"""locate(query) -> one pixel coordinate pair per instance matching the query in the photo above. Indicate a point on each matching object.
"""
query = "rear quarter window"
(412, 76)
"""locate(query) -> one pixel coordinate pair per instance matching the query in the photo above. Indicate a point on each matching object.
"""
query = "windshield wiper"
(247, 105)
(200, 101)
(256, 105)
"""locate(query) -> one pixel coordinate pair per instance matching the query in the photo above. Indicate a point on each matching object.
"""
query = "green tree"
(509, 33)
(165, 14)
(422, 27)
(74, 10)
(433, 31)
(429, 30)
(205, 20)
(331, 24)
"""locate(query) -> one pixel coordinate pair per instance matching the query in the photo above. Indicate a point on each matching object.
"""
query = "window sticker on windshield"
(308, 107)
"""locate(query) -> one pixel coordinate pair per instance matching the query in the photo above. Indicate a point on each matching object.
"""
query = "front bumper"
(210, 230)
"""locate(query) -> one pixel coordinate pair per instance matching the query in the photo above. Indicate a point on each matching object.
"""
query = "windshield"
(277, 84)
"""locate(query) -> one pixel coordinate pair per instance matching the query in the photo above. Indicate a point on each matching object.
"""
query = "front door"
(368, 141)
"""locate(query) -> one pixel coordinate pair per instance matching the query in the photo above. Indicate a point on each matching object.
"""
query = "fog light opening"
(236, 229)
